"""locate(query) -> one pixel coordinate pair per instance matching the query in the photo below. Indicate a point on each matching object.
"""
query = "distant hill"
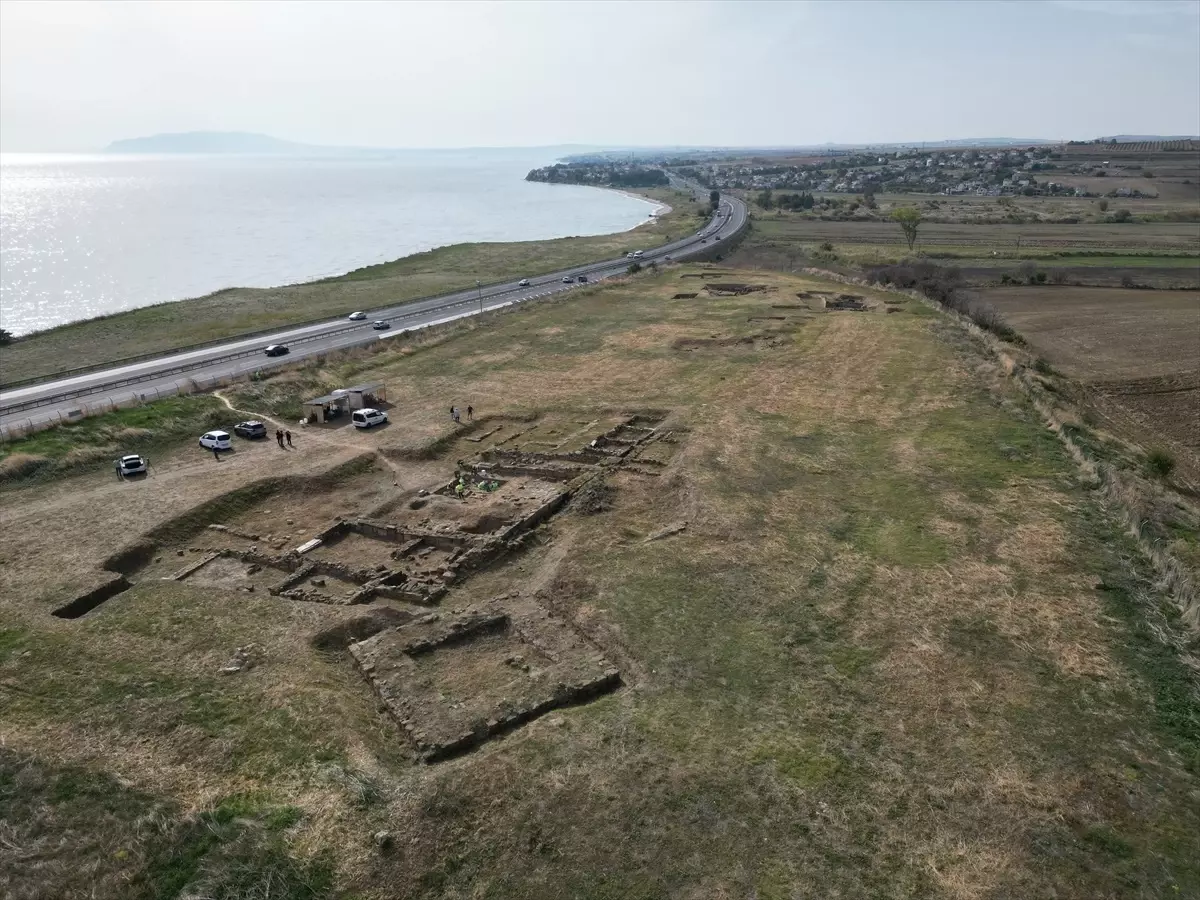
(207, 142)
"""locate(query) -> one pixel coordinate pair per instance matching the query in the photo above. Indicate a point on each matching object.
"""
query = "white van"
(637, 254)
(365, 418)
(216, 440)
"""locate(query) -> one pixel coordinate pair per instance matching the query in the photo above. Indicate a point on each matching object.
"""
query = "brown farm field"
(1136, 351)
(1179, 238)
(828, 613)
(1105, 333)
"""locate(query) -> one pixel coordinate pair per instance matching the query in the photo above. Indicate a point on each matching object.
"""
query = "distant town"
(984, 172)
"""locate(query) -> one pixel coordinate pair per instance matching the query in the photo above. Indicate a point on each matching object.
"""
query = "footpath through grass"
(227, 313)
(897, 652)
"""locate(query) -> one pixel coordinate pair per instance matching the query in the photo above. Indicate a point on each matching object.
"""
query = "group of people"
(457, 416)
(281, 436)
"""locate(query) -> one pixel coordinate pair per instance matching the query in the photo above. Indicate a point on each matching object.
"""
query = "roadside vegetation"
(901, 648)
(231, 312)
(93, 444)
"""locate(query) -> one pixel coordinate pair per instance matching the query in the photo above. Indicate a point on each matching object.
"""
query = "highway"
(69, 397)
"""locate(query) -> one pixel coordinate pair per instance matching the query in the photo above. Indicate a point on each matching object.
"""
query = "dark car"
(381, 325)
(250, 430)
(276, 350)
(583, 279)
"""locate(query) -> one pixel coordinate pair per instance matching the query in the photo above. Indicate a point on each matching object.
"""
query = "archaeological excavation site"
(451, 675)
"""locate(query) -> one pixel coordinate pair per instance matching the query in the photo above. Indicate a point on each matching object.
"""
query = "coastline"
(51, 279)
(661, 208)
(224, 314)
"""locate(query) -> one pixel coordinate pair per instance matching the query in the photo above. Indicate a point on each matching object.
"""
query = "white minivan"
(365, 418)
(637, 254)
(216, 440)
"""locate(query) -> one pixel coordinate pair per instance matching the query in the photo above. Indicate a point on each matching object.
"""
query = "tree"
(764, 199)
(714, 197)
(1103, 205)
(909, 220)
(634, 268)
(869, 197)
(6, 337)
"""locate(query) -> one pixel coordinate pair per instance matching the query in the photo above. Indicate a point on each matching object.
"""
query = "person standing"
(216, 454)
(287, 436)
(470, 413)
(455, 416)
(279, 436)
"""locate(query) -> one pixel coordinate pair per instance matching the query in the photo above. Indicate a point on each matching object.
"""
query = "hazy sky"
(74, 76)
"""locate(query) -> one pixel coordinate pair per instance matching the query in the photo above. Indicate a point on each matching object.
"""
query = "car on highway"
(380, 325)
(637, 254)
(366, 418)
(567, 279)
(251, 430)
(524, 282)
(629, 255)
(356, 316)
(132, 464)
(582, 278)
(276, 350)
(216, 440)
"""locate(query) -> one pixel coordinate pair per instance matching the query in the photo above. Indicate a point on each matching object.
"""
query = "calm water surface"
(81, 236)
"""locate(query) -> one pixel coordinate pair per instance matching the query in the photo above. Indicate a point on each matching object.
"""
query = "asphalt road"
(53, 400)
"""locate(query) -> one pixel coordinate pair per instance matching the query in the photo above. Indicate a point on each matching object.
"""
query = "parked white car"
(637, 254)
(524, 282)
(366, 418)
(216, 440)
(356, 316)
(131, 465)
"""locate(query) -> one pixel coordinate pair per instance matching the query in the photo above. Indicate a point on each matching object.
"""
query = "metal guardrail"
(695, 244)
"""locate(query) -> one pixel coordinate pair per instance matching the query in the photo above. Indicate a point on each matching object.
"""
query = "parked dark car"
(583, 279)
(251, 430)
(276, 350)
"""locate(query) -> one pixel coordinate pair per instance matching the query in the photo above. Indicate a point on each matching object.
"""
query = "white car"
(131, 465)
(366, 418)
(637, 254)
(356, 316)
(524, 282)
(216, 440)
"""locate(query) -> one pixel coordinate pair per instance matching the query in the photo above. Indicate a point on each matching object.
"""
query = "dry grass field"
(874, 637)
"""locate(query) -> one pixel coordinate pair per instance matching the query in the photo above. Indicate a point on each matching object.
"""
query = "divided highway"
(52, 400)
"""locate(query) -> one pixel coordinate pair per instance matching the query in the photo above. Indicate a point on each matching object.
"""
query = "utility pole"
(479, 287)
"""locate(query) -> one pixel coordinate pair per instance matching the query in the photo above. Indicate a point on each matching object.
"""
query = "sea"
(87, 235)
